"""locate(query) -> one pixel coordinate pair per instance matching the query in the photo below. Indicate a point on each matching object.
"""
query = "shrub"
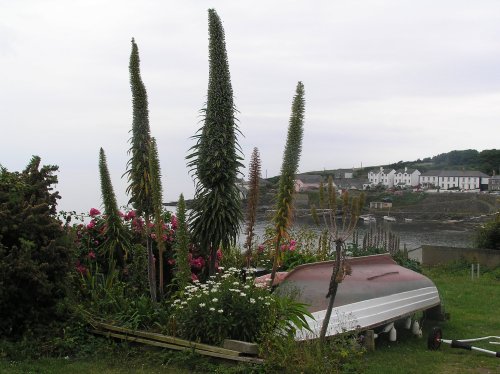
(227, 307)
(34, 259)
(488, 235)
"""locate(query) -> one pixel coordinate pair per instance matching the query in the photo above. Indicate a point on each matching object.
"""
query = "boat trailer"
(435, 339)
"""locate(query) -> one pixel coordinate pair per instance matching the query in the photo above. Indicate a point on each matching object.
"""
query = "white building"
(382, 177)
(407, 178)
(454, 179)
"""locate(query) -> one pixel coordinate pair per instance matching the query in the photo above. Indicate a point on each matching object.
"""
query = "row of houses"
(468, 180)
(436, 179)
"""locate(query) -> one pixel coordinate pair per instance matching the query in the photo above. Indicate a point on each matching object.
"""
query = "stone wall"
(436, 255)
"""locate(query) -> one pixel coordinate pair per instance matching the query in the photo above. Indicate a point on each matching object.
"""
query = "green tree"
(118, 240)
(215, 158)
(291, 156)
(34, 256)
(138, 172)
(252, 201)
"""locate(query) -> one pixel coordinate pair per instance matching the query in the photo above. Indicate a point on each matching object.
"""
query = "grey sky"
(384, 80)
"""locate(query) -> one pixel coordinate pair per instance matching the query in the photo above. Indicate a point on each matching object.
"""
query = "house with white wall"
(454, 179)
(407, 177)
(307, 182)
(383, 177)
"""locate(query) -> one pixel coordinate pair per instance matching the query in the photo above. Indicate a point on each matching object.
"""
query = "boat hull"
(377, 291)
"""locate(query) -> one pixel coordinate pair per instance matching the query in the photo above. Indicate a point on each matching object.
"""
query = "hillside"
(487, 161)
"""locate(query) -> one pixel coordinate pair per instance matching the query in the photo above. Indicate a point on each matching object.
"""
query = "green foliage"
(215, 158)
(338, 354)
(253, 200)
(138, 166)
(282, 219)
(139, 174)
(118, 241)
(183, 269)
(488, 235)
(34, 259)
(291, 157)
(228, 307)
(292, 259)
(157, 209)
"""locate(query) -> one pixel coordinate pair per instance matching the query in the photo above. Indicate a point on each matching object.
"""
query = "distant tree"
(284, 209)
(138, 172)
(215, 158)
(118, 241)
(490, 161)
(488, 235)
(34, 256)
(252, 201)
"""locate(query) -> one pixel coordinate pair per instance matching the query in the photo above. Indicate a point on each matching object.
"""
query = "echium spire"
(215, 158)
(139, 180)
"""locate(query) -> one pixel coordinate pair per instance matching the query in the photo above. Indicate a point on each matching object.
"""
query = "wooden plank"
(167, 339)
(135, 339)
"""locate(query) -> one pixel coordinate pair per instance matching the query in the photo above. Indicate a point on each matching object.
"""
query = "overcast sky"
(384, 81)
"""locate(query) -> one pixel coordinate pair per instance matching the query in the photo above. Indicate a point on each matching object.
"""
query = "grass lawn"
(475, 312)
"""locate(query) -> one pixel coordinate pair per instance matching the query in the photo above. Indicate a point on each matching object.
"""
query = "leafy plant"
(283, 218)
(228, 307)
(253, 200)
(215, 158)
(117, 241)
(139, 173)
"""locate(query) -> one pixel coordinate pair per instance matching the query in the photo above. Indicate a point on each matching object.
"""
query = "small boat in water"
(390, 218)
(376, 293)
(368, 218)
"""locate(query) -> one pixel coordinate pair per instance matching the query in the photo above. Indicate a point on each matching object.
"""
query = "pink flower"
(173, 222)
(260, 248)
(171, 261)
(284, 247)
(91, 255)
(153, 236)
(194, 277)
(197, 263)
(91, 225)
(130, 215)
(80, 268)
(137, 224)
(94, 212)
(219, 254)
(121, 214)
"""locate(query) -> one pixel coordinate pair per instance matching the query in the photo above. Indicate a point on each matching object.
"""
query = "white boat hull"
(371, 313)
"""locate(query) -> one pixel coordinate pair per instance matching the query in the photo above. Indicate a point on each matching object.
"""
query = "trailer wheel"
(434, 339)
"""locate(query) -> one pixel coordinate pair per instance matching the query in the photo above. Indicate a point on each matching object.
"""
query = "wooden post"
(369, 341)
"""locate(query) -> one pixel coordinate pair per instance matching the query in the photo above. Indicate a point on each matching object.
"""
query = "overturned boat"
(377, 293)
